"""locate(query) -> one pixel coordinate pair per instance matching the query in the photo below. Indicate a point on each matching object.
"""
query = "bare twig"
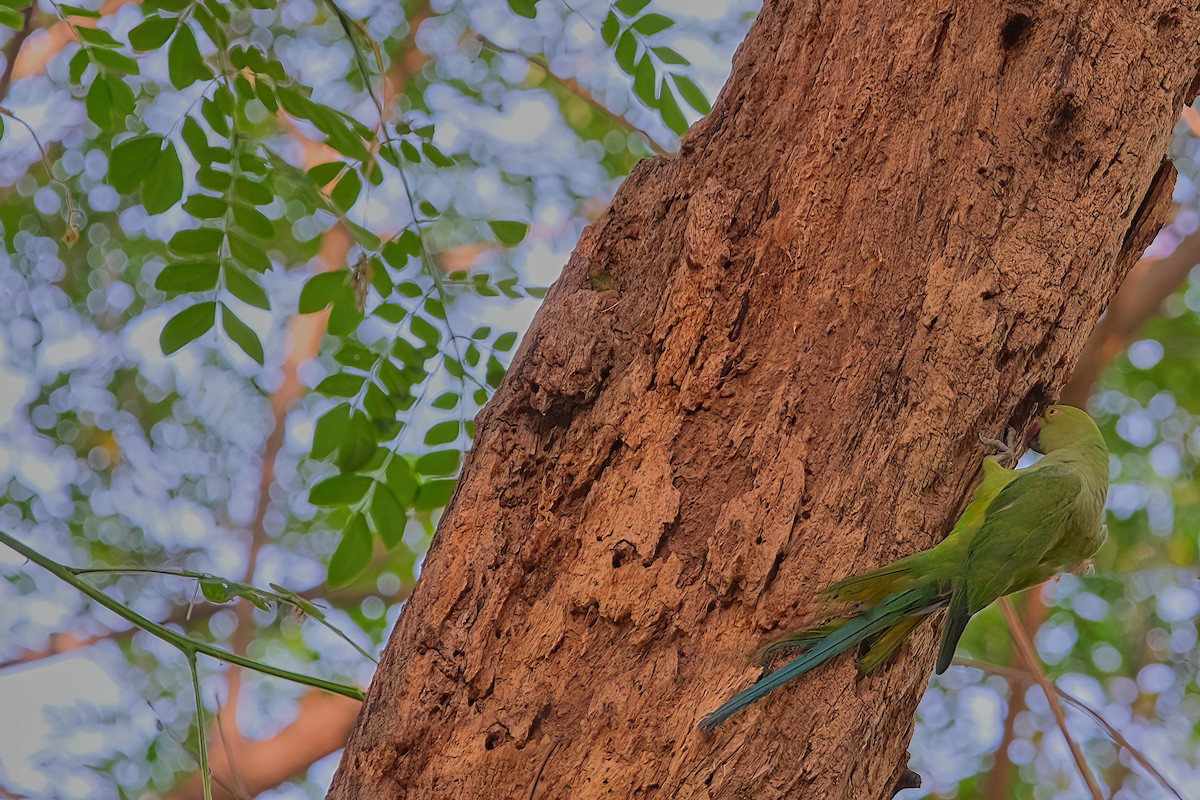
(1149, 283)
(13, 49)
(1034, 665)
(1021, 676)
(998, 785)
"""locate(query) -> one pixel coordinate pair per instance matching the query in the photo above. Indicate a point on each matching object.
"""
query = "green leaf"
(344, 316)
(76, 11)
(320, 290)
(401, 480)
(388, 516)
(163, 186)
(346, 192)
(446, 400)
(364, 237)
(213, 180)
(253, 192)
(215, 32)
(509, 232)
(185, 64)
(117, 62)
(109, 101)
(323, 174)
(425, 331)
(434, 494)
(243, 286)
(356, 449)
(669, 108)
(669, 56)
(340, 136)
(504, 341)
(248, 253)
(78, 65)
(380, 278)
(189, 277)
(253, 221)
(341, 384)
(352, 556)
(132, 160)
(692, 94)
(443, 433)
(187, 326)
(11, 18)
(524, 8)
(214, 117)
(340, 490)
(243, 87)
(651, 24)
(241, 333)
(441, 462)
(379, 408)
(330, 430)
(217, 590)
(630, 8)
(391, 312)
(96, 36)
(626, 52)
(205, 206)
(197, 241)
(435, 156)
(610, 29)
(262, 90)
(152, 33)
(645, 81)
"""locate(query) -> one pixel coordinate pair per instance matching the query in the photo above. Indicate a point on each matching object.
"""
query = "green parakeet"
(1020, 528)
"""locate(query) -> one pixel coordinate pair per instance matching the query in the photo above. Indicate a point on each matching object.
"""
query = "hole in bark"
(1033, 401)
(496, 735)
(1015, 28)
(622, 553)
(712, 604)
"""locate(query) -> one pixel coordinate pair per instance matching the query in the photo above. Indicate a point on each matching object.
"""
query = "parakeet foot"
(1085, 568)
(1006, 449)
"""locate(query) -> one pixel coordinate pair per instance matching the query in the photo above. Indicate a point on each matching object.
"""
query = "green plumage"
(1019, 529)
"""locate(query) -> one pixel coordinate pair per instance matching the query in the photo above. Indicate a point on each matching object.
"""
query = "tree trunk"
(762, 370)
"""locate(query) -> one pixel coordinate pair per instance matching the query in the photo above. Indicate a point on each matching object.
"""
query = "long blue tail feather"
(854, 631)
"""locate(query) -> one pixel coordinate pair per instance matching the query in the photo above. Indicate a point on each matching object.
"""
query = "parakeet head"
(1059, 426)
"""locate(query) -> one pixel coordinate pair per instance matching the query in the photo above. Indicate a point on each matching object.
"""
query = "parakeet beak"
(1031, 436)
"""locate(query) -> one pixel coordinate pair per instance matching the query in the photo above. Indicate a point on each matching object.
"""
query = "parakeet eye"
(1052, 412)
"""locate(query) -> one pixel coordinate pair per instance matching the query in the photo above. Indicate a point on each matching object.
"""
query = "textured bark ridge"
(764, 368)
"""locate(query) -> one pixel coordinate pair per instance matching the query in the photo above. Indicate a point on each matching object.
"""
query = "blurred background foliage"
(373, 197)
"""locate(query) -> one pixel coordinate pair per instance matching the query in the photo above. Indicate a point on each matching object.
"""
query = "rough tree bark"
(765, 368)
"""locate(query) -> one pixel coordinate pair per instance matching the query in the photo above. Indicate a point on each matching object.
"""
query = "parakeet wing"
(1021, 526)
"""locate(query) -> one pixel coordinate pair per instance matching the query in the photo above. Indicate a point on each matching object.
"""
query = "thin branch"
(13, 49)
(48, 43)
(1148, 285)
(1029, 656)
(574, 87)
(1021, 676)
(998, 785)
(177, 640)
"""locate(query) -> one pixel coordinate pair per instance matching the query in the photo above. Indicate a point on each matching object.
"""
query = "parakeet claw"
(1006, 449)
(1085, 568)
